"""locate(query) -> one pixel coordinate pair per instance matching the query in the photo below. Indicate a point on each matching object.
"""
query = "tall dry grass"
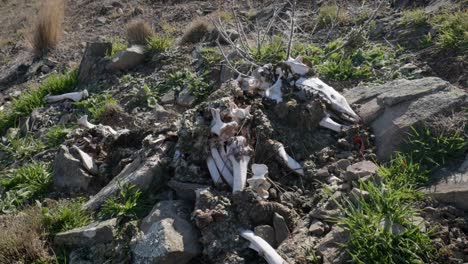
(138, 31)
(46, 32)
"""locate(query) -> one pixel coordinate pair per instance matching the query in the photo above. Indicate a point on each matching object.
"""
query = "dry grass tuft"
(196, 31)
(21, 237)
(138, 31)
(46, 32)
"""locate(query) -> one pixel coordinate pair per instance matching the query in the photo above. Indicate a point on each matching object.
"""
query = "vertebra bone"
(218, 127)
(258, 182)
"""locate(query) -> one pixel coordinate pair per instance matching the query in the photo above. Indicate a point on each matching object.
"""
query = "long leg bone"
(223, 130)
(258, 182)
(336, 100)
(288, 160)
(222, 167)
(238, 153)
(329, 123)
(76, 96)
(262, 247)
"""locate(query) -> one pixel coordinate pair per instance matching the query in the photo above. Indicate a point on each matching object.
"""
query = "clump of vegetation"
(138, 31)
(196, 31)
(415, 17)
(185, 79)
(212, 56)
(27, 102)
(453, 30)
(97, 105)
(46, 32)
(158, 43)
(329, 14)
(272, 51)
(127, 205)
(118, 44)
(64, 216)
(402, 168)
(56, 135)
(22, 185)
(19, 148)
(427, 40)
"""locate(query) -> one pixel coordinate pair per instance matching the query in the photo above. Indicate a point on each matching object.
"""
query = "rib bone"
(262, 247)
(76, 96)
(222, 167)
(214, 173)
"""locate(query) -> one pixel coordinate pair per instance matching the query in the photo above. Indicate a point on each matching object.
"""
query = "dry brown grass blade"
(138, 31)
(47, 30)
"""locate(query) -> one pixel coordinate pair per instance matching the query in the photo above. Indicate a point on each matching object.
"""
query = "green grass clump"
(179, 80)
(381, 226)
(56, 135)
(118, 44)
(19, 148)
(453, 31)
(212, 56)
(272, 51)
(403, 169)
(64, 216)
(32, 99)
(22, 185)
(329, 14)
(127, 205)
(415, 17)
(97, 105)
(158, 43)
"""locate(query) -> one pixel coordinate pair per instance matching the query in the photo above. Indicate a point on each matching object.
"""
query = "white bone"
(214, 173)
(262, 247)
(258, 182)
(297, 66)
(337, 101)
(237, 113)
(87, 161)
(224, 156)
(289, 161)
(222, 167)
(218, 127)
(329, 123)
(76, 96)
(274, 92)
(83, 121)
(237, 155)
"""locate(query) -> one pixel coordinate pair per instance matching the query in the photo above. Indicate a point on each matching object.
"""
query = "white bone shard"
(329, 123)
(297, 66)
(250, 84)
(238, 114)
(87, 161)
(288, 160)
(76, 97)
(214, 173)
(221, 165)
(83, 121)
(274, 92)
(258, 182)
(237, 153)
(224, 156)
(336, 100)
(262, 247)
(218, 127)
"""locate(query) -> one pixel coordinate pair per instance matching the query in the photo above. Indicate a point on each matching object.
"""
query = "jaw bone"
(297, 66)
(336, 100)
(76, 96)
(221, 129)
(258, 182)
(329, 123)
(263, 248)
(238, 155)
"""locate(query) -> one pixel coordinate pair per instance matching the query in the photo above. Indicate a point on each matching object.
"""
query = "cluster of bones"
(230, 153)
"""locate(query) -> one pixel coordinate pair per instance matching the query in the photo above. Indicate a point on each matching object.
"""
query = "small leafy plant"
(118, 44)
(415, 17)
(64, 216)
(453, 30)
(56, 135)
(158, 43)
(97, 105)
(125, 206)
(212, 56)
(19, 148)
(329, 14)
(185, 79)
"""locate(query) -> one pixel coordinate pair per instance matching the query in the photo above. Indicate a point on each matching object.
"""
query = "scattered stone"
(185, 191)
(281, 228)
(168, 98)
(92, 64)
(185, 98)
(343, 164)
(330, 246)
(101, 21)
(127, 59)
(357, 194)
(68, 173)
(166, 209)
(95, 233)
(360, 170)
(322, 173)
(451, 189)
(317, 228)
(267, 233)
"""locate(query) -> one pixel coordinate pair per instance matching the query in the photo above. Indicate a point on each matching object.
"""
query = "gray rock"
(185, 98)
(393, 108)
(101, 20)
(317, 228)
(330, 246)
(127, 59)
(68, 173)
(356, 194)
(143, 171)
(281, 228)
(267, 233)
(185, 191)
(343, 164)
(168, 236)
(96, 233)
(360, 170)
(451, 189)
(322, 173)
(93, 61)
(168, 98)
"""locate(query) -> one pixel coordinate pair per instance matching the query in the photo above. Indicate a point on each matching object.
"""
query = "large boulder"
(69, 176)
(93, 61)
(168, 236)
(95, 233)
(393, 108)
(127, 59)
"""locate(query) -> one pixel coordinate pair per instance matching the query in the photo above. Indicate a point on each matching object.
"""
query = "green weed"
(212, 56)
(181, 79)
(118, 44)
(158, 43)
(56, 135)
(64, 216)
(19, 148)
(415, 17)
(453, 31)
(272, 51)
(97, 105)
(402, 169)
(427, 40)
(125, 206)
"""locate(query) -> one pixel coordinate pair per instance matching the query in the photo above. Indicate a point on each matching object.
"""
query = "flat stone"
(322, 173)
(93, 61)
(175, 209)
(95, 233)
(360, 170)
(317, 228)
(168, 98)
(267, 233)
(185, 98)
(451, 189)
(68, 173)
(355, 194)
(281, 228)
(185, 191)
(343, 164)
(127, 59)
(330, 247)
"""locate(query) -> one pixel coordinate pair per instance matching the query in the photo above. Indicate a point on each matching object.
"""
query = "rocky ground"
(146, 165)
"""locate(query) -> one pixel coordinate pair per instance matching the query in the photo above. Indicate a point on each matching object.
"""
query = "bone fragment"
(329, 123)
(297, 66)
(258, 182)
(76, 97)
(274, 92)
(223, 130)
(87, 161)
(214, 173)
(83, 121)
(238, 114)
(221, 165)
(238, 155)
(262, 247)
(288, 160)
